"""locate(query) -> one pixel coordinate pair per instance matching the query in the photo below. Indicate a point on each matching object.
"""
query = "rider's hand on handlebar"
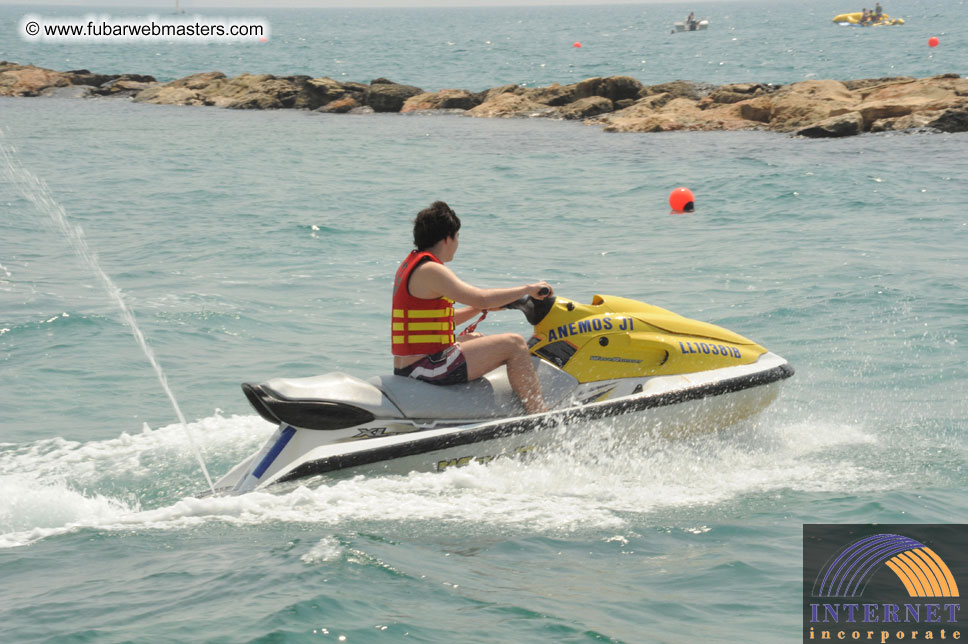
(541, 290)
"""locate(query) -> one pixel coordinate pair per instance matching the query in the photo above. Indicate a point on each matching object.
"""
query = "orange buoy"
(933, 41)
(577, 45)
(682, 200)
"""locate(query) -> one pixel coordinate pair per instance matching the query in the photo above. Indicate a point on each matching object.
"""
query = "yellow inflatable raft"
(854, 19)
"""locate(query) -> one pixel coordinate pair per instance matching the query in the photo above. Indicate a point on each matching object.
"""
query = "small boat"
(854, 20)
(695, 25)
(614, 358)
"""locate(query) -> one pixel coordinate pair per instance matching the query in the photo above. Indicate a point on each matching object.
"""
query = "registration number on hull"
(482, 459)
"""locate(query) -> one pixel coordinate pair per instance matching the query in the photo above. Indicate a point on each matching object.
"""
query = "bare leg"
(491, 351)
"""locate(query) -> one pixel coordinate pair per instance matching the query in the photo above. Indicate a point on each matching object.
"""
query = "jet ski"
(613, 358)
(694, 25)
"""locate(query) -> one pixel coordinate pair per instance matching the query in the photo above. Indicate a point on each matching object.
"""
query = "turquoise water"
(479, 47)
(256, 244)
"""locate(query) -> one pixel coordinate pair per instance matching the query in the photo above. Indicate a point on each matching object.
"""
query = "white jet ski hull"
(665, 406)
(700, 25)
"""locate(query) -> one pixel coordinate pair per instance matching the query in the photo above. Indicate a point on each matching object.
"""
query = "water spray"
(37, 192)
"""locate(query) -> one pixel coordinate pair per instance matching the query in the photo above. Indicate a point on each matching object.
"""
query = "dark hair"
(432, 224)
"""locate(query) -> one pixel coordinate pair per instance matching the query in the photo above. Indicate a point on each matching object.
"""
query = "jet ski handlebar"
(534, 310)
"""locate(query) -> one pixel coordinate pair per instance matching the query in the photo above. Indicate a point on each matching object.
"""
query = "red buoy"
(933, 41)
(682, 200)
(577, 45)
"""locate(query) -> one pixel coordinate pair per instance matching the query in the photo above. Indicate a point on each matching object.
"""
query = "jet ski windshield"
(534, 310)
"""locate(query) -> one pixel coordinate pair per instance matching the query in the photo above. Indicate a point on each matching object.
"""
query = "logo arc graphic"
(921, 571)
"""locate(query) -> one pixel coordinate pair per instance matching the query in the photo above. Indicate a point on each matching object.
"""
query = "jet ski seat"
(487, 397)
(337, 400)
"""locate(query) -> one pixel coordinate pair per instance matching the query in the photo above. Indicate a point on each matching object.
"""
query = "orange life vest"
(419, 326)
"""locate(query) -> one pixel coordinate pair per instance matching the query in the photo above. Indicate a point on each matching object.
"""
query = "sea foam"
(57, 487)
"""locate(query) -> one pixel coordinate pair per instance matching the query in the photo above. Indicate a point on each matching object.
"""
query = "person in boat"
(424, 317)
(878, 13)
(691, 21)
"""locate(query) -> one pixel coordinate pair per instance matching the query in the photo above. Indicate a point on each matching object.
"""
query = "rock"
(951, 120)
(254, 92)
(614, 88)
(678, 89)
(138, 78)
(888, 109)
(355, 88)
(936, 92)
(126, 85)
(910, 122)
(759, 109)
(314, 93)
(445, 99)
(190, 90)
(274, 92)
(27, 80)
(656, 101)
(641, 108)
(728, 117)
(586, 107)
(84, 77)
(725, 96)
(737, 92)
(866, 83)
(489, 94)
(254, 101)
(246, 91)
(122, 87)
(672, 114)
(198, 81)
(251, 91)
(849, 124)
(164, 95)
(802, 104)
(386, 96)
(653, 123)
(554, 95)
(911, 96)
(340, 105)
(641, 116)
(509, 106)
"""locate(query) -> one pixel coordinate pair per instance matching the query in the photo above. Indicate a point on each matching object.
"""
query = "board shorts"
(447, 367)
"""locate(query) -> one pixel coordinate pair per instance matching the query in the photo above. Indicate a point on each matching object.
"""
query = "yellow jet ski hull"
(616, 337)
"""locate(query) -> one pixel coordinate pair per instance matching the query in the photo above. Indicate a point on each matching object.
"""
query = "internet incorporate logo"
(909, 591)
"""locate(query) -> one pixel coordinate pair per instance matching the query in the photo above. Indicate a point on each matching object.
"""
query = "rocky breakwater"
(27, 80)
(816, 108)
(823, 108)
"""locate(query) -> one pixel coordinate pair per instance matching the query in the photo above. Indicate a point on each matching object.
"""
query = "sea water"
(36, 191)
(252, 245)
(475, 48)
